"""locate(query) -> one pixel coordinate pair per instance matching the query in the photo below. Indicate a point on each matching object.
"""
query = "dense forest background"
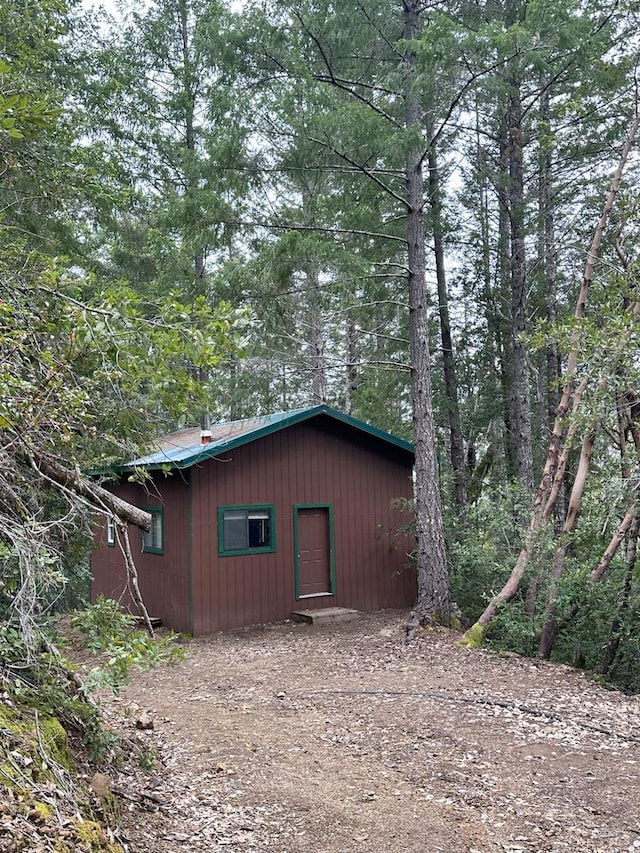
(421, 213)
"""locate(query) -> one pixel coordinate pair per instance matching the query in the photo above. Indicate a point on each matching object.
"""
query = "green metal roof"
(184, 448)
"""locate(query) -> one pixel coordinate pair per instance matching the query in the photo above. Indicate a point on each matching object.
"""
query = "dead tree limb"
(106, 502)
(99, 498)
(122, 534)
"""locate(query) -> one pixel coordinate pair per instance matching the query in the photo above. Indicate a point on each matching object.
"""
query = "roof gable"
(183, 448)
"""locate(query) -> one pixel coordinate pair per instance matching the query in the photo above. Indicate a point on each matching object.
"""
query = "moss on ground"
(32, 743)
(43, 808)
(27, 734)
(54, 740)
(91, 833)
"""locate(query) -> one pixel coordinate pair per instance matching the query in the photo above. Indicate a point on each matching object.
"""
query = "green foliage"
(513, 629)
(110, 633)
(598, 622)
(45, 684)
(19, 111)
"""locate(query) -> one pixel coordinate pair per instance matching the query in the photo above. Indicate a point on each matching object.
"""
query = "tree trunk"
(615, 634)
(548, 634)
(191, 180)
(312, 306)
(548, 256)
(519, 401)
(628, 426)
(504, 269)
(496, 388)
(351, 373)
(448, 362)
(433, 603)
(316, 336)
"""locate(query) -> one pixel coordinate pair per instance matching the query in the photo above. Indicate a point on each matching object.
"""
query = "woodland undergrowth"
(54, 740)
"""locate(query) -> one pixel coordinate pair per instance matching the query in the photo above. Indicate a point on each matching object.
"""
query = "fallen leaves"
(344, 739)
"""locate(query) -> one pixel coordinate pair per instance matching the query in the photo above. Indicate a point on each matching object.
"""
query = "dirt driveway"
(332, 740)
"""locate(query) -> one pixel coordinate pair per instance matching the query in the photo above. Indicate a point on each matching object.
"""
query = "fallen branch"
(122, 534)
(99, 498)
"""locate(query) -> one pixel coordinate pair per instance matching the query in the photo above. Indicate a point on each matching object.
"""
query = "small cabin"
(255, 519)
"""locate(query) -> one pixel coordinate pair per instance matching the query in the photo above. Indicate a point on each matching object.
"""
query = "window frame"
(111, 531)
(158, 512)
(236, 552)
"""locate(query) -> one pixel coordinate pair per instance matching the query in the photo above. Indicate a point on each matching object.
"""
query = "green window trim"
(111, 531)
(153, 542)
(296, 551)
(226, 512)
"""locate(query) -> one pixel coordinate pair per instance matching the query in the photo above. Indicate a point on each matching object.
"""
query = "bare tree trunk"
(548, 256)
(628, 427)
(312, 306)
(627, 423)
(504, 267)
(562, 460)
(351, 373)
(575, 503)
(188, 99)
(316, 336)
(613, 646)
(494, 349)
(611, 550)
(433, 603)
(475, 634)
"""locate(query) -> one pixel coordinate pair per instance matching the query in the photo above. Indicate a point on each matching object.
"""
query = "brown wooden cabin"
(262, 517)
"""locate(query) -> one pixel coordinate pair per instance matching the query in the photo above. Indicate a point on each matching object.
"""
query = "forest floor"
(341, 739)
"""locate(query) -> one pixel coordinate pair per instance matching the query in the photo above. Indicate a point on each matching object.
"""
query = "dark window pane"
(259, 532)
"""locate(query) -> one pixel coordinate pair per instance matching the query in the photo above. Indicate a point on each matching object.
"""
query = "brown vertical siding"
(164, 578)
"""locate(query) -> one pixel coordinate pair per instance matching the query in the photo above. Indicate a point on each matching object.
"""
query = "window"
(246, 530)
(153, 541)
(111, 531)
